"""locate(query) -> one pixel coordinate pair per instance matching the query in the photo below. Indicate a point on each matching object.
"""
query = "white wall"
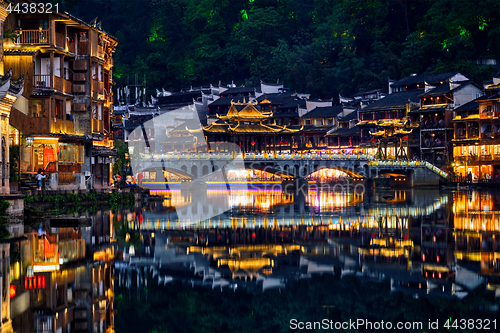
(57, 67)
(270, 89)
(465, 95)
(45, 66)
(22, 104)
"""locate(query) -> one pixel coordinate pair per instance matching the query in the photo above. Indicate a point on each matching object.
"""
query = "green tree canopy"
(321, 47)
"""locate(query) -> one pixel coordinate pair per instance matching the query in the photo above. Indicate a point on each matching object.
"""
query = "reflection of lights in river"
(260, 207)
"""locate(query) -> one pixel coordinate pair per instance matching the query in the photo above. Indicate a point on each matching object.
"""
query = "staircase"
(28, 182)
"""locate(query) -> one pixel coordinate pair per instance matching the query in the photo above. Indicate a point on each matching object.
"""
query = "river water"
(258, 259)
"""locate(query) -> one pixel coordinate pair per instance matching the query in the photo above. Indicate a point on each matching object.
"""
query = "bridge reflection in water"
(423, 242)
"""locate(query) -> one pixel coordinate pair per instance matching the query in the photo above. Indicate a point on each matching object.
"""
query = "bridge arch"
(176, 172)
(270, 168)
(194, 170)
(348, 171)
(205, 170)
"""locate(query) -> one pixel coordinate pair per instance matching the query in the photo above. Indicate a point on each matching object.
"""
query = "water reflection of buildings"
(425, 243)
(477, 233)
(62, 277)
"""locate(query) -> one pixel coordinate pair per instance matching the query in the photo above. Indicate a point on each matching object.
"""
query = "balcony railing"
(462, 158)
(490, 135)
(68, 86)
(58, 83)
(33, 37)
(476, 158)
(489, 114)
(41, 81)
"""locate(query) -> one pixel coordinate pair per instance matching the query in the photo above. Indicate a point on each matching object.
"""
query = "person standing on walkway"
(39, 177)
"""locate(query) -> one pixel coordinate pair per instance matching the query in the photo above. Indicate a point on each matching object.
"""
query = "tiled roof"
(446, 88)
(278, 98)
(292, 114)
(344, 131)
(485, 98)
(238, 90)
(323, 112)
(472, 105)
(367, 122)
(394, 101)
(433, 108)
(368, 92)
(291, 103)
(350, 116)
(422, 78)
(226, 101)
(136, 120)
(312, 128)
(216, 128)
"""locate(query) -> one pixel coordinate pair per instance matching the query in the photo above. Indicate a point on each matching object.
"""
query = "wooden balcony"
(72, 46)
(29, 125)
(83, 48)
(97, 126)
(58, 83)
(95, 86)
(481, 158)
(63, 126)
(34, 37)
(79, 88)
(490, 135)
(68, 87)
(489, 115)
(469, 159)
(80, 77)
(41, 81)
(60, 40)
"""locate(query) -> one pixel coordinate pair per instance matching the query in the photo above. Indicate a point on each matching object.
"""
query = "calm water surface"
(393, 255)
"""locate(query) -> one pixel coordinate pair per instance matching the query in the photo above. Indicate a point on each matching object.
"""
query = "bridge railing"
(436, 169)
(424, 164)
(253, 156)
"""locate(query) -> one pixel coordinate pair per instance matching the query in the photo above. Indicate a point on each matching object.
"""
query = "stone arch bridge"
(188, 167)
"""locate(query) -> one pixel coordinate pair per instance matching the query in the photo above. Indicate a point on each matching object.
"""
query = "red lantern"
(12, 290)
(252, 143)
(372, 139)
(405, 138)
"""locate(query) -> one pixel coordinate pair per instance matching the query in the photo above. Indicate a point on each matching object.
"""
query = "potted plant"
(12, 35)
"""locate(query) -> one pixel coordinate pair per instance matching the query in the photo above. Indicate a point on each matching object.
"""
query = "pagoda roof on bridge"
(248, 113)
(245, 118)
(216, 128)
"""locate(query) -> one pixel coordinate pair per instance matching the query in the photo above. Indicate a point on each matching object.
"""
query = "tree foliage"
(322, 47)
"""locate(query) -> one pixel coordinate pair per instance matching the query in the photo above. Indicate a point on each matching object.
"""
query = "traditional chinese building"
(436, 114)
(394, 108)
(346, 134)
(10, 89)
(245, 126)
(64, 112)
(476, 143)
